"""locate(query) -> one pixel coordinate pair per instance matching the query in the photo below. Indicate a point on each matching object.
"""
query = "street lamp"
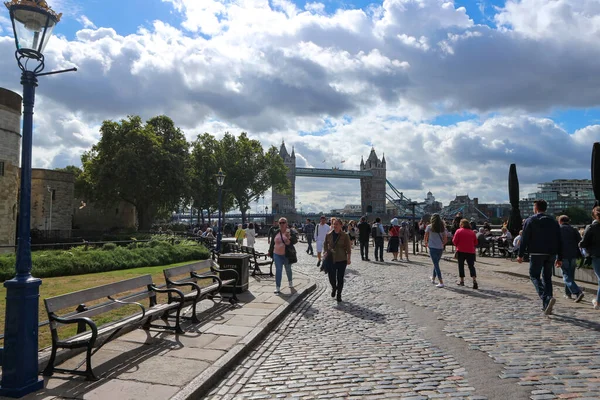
(220, 179)
(32, 22)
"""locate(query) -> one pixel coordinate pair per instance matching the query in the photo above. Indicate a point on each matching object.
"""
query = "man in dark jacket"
(364, 233)
(570, 244)
(542, 240)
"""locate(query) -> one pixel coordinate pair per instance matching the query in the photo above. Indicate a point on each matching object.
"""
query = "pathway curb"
(203, 383)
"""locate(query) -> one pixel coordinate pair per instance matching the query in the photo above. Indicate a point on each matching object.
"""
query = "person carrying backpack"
(377, 234)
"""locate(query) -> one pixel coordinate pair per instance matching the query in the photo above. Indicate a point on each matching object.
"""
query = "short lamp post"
(220, 176)
(32, 22)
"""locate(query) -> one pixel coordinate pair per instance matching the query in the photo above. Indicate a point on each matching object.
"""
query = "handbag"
(328, 262)
(290, 251)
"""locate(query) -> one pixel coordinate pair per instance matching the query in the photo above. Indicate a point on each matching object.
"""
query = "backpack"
(375, 231)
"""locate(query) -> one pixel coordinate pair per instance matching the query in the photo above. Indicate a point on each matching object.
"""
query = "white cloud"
(356, 77)
(85, 21)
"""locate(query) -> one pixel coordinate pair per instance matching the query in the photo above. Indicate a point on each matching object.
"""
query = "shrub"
(109, 246)
(79, 261)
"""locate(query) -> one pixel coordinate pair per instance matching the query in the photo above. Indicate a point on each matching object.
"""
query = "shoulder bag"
(290, 251)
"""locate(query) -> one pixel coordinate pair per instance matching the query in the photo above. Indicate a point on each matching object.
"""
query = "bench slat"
(54, 304)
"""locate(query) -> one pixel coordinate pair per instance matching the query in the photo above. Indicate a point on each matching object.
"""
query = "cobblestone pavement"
(397, 336)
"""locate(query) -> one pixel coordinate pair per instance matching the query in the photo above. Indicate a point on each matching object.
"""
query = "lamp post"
(413, 204)
(220, 179)
(32, 22)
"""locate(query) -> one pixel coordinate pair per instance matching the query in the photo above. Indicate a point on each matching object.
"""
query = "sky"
(452, 92)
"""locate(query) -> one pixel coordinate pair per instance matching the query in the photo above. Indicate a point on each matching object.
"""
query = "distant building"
(469, 208)
(561, 194)
(431, 206)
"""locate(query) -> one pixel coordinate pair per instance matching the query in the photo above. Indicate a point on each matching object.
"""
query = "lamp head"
(220, 177)
(33, 22)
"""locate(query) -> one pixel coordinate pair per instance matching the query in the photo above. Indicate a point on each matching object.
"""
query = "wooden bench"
(258, 259)
(188, 276)
(118, 294)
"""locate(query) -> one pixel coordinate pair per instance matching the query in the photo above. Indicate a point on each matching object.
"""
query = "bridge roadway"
(396, 336)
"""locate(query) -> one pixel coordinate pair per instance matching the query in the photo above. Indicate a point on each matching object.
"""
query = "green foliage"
(142, 164)
(578, 216)
(79, 261)
(109, 246)
(250, 171)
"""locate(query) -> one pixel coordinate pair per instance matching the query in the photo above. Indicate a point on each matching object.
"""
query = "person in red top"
(465, 241)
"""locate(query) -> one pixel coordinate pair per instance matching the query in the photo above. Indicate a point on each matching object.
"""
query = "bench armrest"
(177, 291)
(85, 320)
(130, 303)
(215, 278)
(192, 284)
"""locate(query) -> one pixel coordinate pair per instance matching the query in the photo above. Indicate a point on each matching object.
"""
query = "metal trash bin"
(238, 262)
(226, 245)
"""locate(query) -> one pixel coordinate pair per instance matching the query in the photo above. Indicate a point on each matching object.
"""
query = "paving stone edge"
(204, 382)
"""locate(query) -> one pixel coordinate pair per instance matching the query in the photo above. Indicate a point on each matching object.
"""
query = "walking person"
(320, 233)
(338, 242)
(377, 232)
(435, 239)
(240, 234)
(465, 241)
(591, 243)
(542, 240)
(570, 244)
(394, 241)
(250, 235)
(283, 237)
(309, 234)
(404, 238)
(364, 237)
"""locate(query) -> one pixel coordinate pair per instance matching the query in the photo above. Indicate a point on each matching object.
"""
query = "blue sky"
(126, 17)
(451, 97)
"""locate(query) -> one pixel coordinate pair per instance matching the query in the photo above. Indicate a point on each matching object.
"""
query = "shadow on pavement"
(361, 312)
(582, 323)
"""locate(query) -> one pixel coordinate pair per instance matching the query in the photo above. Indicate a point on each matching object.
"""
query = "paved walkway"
(397, 336)
(156, 365)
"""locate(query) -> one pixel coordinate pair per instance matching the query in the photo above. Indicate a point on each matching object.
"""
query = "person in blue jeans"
(284, 236)
(570, 244)
(543, 242)
(435, 238)
(591, 243)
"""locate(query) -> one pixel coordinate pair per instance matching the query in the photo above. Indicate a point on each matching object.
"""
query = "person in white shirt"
(321, 231)
(250, 235)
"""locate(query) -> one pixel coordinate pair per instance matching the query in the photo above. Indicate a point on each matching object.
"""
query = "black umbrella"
(596, 171)
(515, 221)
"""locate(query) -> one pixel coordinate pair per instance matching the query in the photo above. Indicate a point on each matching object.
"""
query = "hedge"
(79, 261)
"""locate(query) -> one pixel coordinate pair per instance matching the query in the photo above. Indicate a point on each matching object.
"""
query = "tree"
(578, 216)
(142, 164)
(250, 171)
(80, 189)
(204, 164)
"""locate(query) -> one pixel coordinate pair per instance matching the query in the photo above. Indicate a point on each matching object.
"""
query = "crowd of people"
(544, 241)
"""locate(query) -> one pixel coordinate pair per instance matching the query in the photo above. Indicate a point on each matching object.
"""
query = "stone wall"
(62, 191)
(10, 144)
(91, 217)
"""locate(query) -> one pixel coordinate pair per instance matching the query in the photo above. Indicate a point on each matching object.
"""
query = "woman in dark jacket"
(591, 244)
(338, 243)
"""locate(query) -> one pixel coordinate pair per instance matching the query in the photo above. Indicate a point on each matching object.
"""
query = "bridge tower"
(373, 188)
(281, 203)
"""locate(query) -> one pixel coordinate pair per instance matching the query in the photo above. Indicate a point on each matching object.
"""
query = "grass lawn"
(62, 285)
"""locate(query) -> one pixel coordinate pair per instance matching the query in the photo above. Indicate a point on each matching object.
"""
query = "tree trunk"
(201, 215)
(209, 216)
(243, 216)
(144, 218)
